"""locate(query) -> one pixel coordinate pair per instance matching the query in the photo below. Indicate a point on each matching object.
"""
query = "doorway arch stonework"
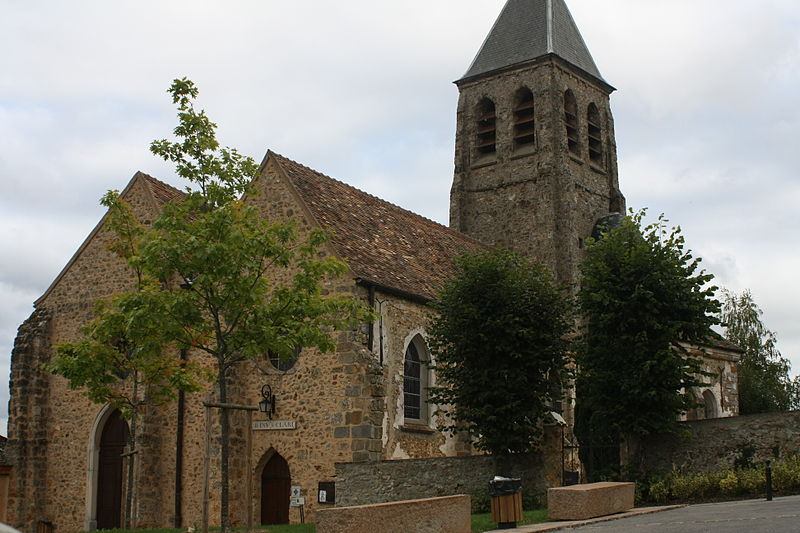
(95, 447)
(273, 479)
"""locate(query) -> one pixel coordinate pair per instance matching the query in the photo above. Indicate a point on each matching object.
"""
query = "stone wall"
(388, 481)
(720, 397)
(29, 415)
(434, 515)
(562, 194)
(400, 323)
(718, 443)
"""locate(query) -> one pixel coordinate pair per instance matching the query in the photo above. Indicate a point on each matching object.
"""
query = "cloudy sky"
(707, 120)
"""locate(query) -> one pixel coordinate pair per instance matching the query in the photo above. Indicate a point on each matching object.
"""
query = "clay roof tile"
(382, 243)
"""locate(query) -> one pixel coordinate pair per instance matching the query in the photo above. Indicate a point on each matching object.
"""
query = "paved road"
(781, 515)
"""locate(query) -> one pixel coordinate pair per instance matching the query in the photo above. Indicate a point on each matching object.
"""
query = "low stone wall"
(410, 479)
(581, 502)
(450, 514)
(724, 442)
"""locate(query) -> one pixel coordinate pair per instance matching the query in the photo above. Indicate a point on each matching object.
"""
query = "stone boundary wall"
(450, 514)
(411, 479)
(721, 442)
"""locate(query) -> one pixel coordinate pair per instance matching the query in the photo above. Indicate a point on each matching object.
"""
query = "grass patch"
(480, 522)
(483, 522)
(293, 528)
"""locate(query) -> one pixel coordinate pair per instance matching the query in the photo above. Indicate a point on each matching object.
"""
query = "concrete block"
(580, 502)
(450, 514)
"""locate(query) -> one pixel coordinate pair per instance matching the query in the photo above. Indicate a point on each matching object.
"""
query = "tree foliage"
(764, 382)
(645, 300)
(218, 278)
(499, 344)
(123, 357)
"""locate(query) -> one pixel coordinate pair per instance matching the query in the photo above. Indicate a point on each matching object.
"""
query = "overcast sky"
(707, 119)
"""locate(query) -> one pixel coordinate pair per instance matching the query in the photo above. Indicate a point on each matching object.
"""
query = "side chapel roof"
(530, 29)
(382, 243)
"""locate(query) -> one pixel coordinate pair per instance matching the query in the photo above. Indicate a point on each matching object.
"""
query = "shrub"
(729, 484)
(786, 474)
(658, 491)
(480, 501)
(752, 481)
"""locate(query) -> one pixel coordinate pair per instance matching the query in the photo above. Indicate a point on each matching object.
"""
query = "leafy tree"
(499, 343)
(764, 383)
(229, 285)
(645, 300)
(120, 359)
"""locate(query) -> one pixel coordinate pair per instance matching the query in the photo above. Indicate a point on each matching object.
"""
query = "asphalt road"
(782, 515)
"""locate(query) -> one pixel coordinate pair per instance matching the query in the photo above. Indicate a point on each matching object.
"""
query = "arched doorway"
(275, 487)
(110, 473)
(710, 402)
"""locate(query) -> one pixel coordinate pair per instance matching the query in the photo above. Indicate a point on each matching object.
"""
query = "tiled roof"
(162, 193)
(718, 342)
(382, 243)
(529, 29)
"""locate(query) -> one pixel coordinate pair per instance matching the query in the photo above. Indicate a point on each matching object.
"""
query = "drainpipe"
(371, 337)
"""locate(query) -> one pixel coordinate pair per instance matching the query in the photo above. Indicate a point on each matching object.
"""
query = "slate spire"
(529, 29)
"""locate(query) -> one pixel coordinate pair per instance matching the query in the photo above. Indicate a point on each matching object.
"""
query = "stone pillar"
(29, 415)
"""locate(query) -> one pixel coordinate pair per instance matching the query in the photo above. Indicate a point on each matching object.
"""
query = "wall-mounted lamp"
(267, 405)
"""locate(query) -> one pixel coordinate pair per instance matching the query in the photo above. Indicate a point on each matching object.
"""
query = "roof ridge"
(395, 206)
(163, 186)
(529, 30)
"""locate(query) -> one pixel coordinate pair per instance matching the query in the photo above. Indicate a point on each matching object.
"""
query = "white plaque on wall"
(274, 424)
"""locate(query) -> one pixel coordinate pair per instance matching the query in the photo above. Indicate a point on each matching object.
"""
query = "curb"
(556, 526)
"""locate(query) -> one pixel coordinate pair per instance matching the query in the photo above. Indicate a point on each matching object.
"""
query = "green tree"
(228, 284)
(764, 382)
(645, 300)
(121, 358)
(245, 286)
(499, 343)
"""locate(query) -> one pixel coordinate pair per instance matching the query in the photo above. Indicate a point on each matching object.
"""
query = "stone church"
(535, 168)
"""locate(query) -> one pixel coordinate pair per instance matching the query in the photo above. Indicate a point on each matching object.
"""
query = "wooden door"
(110, 473)
(275, 488)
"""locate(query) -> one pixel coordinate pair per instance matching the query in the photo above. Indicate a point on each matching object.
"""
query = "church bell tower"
(535, 160)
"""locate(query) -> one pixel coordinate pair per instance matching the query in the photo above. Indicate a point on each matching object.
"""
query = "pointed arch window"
(571, 122)
(487, 127)
(524, 119)
(594, 135)
(415, 382)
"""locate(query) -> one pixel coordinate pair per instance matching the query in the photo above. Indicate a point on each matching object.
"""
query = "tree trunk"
(131, 456)
(224, 451)
(129, 481)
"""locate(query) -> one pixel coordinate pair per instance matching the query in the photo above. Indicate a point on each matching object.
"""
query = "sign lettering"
(274, 424)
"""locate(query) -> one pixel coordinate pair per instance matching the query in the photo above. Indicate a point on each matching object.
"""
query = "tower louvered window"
(524, 119)
(571, 122)
(595, 135)
(487, 127)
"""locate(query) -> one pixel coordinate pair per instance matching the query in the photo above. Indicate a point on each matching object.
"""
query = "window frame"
(418, 351)
(572, 123)
(486, 128)
(524, 119)
(594, 135)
